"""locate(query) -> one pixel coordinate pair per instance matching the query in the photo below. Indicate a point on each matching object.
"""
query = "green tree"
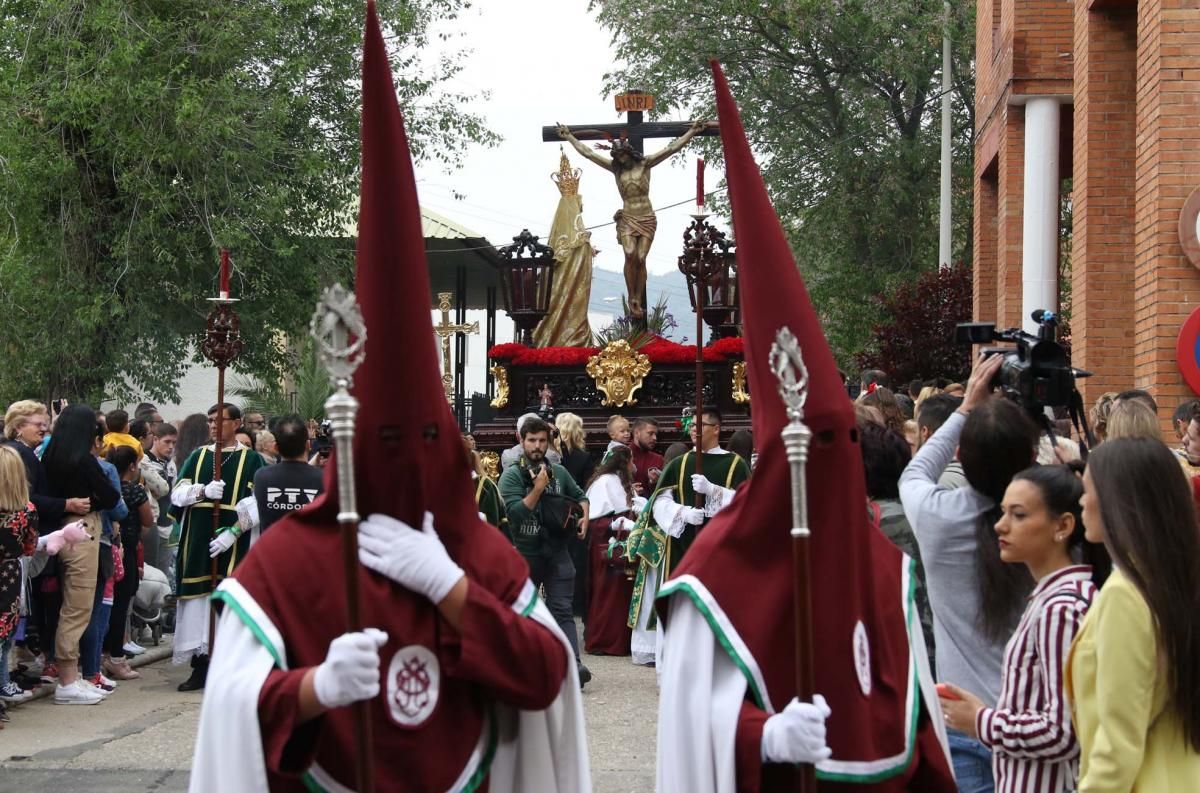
(841, 102)
(138, 138)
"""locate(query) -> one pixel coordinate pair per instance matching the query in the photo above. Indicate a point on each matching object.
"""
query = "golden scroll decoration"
(491, 465)
(618, 370)
(740, 394)
(501, 375)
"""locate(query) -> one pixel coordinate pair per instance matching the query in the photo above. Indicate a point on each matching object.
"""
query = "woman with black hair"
(1133, 675)
(976, 598)
(613, 505)
(1029, 729)
(73, 472)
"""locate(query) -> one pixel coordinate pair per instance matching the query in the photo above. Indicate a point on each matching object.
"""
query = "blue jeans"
(92, 640)
(5, 646)
(972, 763)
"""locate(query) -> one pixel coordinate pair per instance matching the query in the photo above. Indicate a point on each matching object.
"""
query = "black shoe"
(196, 681)
(585, 675)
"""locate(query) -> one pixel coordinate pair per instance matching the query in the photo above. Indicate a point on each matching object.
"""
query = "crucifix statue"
(444, 332)
(636, 222)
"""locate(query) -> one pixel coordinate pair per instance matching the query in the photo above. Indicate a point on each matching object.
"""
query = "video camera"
(322, 442)
(1035, 372)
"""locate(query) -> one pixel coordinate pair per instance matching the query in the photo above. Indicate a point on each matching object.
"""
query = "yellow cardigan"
(1130, 741)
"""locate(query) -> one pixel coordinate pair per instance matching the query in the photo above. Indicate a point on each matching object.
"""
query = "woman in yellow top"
(1133, 675)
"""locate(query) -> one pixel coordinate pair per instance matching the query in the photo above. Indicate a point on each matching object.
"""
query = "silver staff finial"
(788, 365)
(337, 320)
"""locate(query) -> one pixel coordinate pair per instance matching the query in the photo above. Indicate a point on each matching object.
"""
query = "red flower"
(730, 347)
(659, 351)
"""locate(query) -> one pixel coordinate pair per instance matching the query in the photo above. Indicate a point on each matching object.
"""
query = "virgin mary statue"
(567, 323)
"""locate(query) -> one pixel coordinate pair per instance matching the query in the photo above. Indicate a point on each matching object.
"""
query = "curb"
(152, 655)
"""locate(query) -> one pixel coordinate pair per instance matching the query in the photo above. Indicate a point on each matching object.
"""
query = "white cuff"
(717, 500)
(247, 511)
(185, 494)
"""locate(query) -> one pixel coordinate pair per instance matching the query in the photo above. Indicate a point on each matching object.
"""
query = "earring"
(1058, 538)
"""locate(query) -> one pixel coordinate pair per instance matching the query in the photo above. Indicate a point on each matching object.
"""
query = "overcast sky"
(543, 61)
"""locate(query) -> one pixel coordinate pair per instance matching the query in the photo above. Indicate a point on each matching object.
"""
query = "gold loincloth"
(635, 225)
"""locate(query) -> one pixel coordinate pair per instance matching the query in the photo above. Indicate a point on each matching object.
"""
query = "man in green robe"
(192, 502)
(671, 522)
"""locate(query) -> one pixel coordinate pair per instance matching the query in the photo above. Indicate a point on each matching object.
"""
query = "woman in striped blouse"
(1034, 749)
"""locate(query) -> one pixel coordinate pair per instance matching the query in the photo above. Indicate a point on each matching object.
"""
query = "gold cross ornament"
(444, 332)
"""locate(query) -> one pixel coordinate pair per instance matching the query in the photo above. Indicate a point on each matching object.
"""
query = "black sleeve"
(104, 495)
(50, 508)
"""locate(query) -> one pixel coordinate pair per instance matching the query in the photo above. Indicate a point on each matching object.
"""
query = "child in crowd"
(619, 434)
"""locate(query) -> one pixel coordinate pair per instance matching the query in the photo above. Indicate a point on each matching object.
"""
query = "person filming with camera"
(976, 598)
(545, 508)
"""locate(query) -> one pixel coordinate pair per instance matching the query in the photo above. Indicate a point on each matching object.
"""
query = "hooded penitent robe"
(491, 706)
(728, 657)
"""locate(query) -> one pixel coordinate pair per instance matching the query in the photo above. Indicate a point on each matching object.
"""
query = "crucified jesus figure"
(635, 219)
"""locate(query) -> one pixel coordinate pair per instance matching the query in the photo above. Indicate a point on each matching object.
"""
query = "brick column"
(1009, 227)
(1102, 323)
(985, 246)
(1167, 286)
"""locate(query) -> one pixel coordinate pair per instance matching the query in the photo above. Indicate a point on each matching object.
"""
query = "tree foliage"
(138, 138)
(915, 338)
(841, 102)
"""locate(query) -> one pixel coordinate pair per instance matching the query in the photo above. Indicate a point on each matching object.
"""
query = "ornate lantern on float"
(709, 263)
(527, 273)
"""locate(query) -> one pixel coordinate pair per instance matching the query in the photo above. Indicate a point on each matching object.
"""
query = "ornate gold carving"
(618, 370)
(740, 394)
(501, 375)
(491, 464)
(567, 178)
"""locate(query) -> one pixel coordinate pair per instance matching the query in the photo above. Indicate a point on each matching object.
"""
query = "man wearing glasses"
(676, 520)
(195, 495)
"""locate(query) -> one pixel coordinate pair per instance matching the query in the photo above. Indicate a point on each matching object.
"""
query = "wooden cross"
(444, 332)
(635, 129)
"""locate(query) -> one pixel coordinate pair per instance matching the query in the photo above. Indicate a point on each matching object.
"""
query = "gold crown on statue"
(567, 178)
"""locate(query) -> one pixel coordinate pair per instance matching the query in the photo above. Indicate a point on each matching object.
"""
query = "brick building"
(1105, 93)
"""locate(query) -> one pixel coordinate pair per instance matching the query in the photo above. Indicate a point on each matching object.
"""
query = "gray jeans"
(556, 575)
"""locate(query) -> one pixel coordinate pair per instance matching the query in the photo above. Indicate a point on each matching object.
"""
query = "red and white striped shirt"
(1034, 749)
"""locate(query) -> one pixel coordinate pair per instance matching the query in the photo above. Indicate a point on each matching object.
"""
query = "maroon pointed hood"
(862, 659)
(408, 450)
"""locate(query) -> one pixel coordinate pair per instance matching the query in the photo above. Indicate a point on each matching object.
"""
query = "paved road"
(141, 738)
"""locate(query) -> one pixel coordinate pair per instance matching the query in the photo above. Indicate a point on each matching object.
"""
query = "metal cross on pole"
(444, 332)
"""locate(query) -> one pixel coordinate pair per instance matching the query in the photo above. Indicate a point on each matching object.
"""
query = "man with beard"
(647, 462)
(525, 487)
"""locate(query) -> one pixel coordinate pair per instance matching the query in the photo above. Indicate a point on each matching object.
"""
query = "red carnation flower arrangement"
(658, 350)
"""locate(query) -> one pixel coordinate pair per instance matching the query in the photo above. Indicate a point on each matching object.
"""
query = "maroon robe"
(606, 630)
(498, 655)
(643, 461)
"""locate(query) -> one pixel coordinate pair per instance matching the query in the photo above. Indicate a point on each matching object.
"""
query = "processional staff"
(699, 262)
(340, 334)
(222, 345)
(787, 363)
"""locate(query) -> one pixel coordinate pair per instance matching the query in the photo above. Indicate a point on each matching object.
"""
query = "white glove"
(221, 543)
(351, 669)
(214, 490)
(692, 515)
(701, 484)
(621, 524)
(415, 560)
(797, 735)
(639, 503)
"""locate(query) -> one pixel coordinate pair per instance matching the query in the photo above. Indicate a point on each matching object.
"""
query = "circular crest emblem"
(413, 679)
(862, 658)
(1187, 351)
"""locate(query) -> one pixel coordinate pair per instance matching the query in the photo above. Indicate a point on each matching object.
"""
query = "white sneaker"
(88, 683)
(78, 693)
(133, 648)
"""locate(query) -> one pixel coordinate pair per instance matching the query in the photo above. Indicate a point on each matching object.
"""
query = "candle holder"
(527, 272)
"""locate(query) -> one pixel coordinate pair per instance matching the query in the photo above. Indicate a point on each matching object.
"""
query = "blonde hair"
(614, 420)
(1100, 412)
(18, 414)
(14, 487)
(1131, 418)
(925, 393)
(570, 431)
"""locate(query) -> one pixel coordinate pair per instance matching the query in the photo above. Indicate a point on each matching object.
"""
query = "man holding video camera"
(545, 507)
